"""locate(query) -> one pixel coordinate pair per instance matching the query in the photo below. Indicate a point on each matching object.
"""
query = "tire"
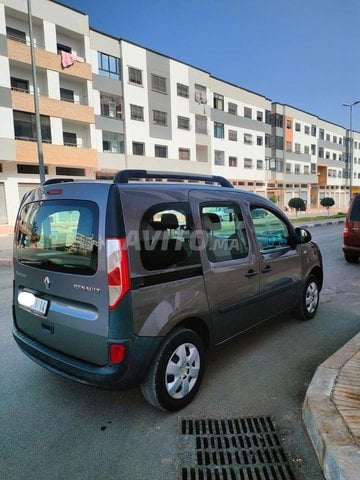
(176, 372)
(309, 301)
(351, 258)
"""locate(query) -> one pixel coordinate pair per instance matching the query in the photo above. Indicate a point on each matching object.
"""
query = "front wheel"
(176, 372)
(309, 300)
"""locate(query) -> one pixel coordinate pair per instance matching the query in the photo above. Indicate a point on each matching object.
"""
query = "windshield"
(59, 236)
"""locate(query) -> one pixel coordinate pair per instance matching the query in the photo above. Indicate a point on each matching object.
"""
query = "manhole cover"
(231, 449)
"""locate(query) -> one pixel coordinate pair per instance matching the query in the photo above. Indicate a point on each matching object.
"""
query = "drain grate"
(231, 449)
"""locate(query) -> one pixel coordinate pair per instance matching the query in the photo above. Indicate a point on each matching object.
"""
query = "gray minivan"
(130, 282)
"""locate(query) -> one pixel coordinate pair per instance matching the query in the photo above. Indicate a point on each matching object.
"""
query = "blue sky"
(305, 53)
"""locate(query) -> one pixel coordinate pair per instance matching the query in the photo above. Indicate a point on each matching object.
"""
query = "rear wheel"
(309, 300)
(176, 372)
(351, 258)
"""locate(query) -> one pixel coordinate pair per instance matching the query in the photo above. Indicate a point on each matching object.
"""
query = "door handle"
(251, 273)
(267, 269)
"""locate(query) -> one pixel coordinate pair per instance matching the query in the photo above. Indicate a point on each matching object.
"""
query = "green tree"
(327, 202)
(297, 203)
(273, 198)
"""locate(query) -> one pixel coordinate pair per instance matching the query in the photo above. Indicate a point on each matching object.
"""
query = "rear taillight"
(118, 274)
(117, 352)
(346, 230)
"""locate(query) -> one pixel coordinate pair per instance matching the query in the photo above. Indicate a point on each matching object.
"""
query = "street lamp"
(350, 144)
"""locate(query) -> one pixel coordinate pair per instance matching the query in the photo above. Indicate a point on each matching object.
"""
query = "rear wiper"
(38, 263)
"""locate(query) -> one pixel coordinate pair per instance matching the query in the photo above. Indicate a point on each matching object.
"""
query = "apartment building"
(108, 104)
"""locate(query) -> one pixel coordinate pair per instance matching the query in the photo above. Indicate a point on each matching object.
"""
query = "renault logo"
(47, 282)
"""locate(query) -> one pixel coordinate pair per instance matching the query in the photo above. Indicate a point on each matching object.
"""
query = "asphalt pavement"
(331, 410)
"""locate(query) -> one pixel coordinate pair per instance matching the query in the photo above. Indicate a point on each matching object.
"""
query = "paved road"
(54, 428)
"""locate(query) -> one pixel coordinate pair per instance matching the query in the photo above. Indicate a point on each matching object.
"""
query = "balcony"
(59, 155)
(23, 101)
(20, 52)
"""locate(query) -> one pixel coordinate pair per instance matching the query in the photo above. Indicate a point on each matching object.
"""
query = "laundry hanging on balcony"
(68, 59)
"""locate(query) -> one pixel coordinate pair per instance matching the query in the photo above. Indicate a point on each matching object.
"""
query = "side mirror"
(302, 235)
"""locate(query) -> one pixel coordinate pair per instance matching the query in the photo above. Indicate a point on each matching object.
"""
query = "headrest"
(169, 220)
(211, 221)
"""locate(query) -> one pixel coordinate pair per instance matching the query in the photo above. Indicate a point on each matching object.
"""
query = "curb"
(320, 224)
(334, 445)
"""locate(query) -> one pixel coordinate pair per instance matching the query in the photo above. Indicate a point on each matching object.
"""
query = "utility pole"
(36, 99)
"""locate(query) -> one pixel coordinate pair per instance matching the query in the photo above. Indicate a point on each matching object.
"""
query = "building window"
(327, 155)
(63, 48)
(110, 106)
(259, 116)
(335, 140)
(328, 137)
(109, 66)
(232, 108)
(218, 101)
(307, 129)
(288, 146)
(259, 141)
(201, 124)
(288, 124)
(247, 163)
(267, 140)
(277, 120)
(297, 127)
(67, 95)
(218, 130)
(161, 151)
(232, 161)
(313, 149)
(30, 169)
(200, 93)
(158, 84)
(313, 168)
(306, 169)
(19, 84)
(288, 167)
(321, 134)
(233, 135)
(137, 112)
(219, 157)
(297, 168)
(182, 90)
(268, 117)
(321, 152)
(135, 76)
(313, 130)
(184, 123)
(297, 148)
(279, 143)
(69, 139)
(138, 148)
(247, 112)
(248, 139)
(184, 153)
(25, 126)
(260, 164)
(70, 171)
(113, 142)
(306, 149)
(14, 34)
(159, 118)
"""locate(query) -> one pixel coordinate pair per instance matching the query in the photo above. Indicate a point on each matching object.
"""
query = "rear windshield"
(58, 235)
(355, 209)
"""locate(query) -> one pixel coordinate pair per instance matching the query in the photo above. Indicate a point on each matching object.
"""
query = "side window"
(271, 232)
(225, 233)
(165, 237)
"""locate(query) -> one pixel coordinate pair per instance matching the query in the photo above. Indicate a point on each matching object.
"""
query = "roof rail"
(57, 180)
(125, 175)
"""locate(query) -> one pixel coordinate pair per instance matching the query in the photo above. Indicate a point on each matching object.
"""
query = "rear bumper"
(129, 373)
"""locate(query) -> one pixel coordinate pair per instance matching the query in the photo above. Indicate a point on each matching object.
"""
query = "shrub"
(273, 198)
(297, 203)
(327, 202)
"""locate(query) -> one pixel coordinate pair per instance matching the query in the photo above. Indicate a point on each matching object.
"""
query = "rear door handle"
(267, 269)
(251, 273)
